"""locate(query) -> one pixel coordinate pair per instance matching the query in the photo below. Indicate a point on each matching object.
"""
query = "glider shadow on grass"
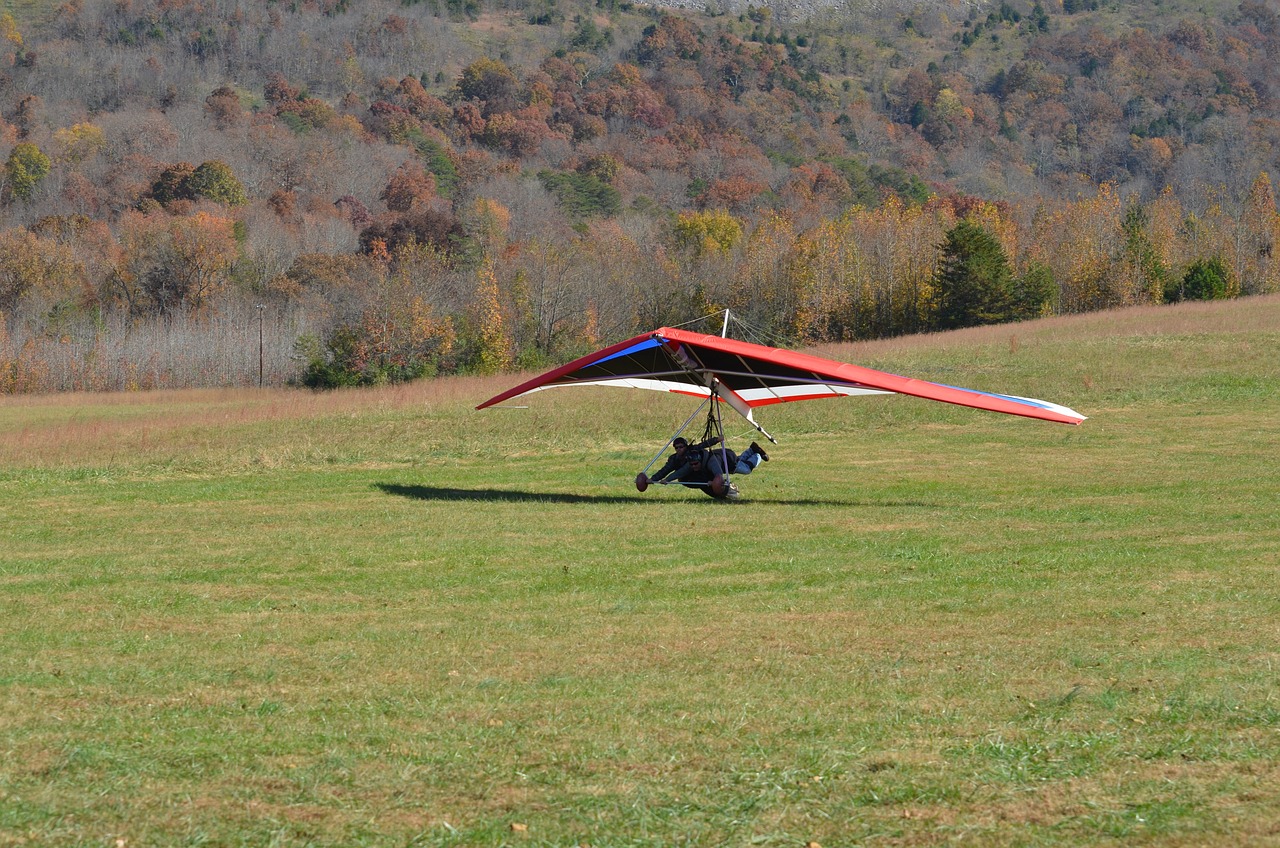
(449, 493)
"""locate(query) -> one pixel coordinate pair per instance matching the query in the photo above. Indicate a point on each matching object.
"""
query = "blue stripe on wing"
(635, 348)
(1039, 404)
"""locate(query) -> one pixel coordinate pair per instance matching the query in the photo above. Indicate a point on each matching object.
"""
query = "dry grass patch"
(44, 431)
(1254, 318)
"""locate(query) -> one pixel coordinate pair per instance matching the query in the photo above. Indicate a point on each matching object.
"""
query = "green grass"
(382, 618)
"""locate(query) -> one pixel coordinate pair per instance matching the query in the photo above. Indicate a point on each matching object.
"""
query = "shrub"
(395, 341)
(1205, 279)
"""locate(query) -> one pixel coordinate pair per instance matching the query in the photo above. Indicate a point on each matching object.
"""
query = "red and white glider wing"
(751, 375)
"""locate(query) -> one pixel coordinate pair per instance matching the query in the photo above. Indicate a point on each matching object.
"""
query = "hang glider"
(745, 376)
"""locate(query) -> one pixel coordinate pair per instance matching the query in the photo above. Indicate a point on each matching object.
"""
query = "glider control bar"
(714, 385)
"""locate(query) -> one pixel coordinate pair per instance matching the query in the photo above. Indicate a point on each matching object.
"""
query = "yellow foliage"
(34, 266)
(1165, 221)
(1257, 271)
(947, 104)
(347, 125)
(628, 76)
(490, 221)
(494, 341)
(540, 94)
(9, 30)
(591, 326)
(988, 216)
(708, 232)
(79, 142)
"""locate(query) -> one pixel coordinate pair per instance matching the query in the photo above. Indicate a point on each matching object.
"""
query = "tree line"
(410, 310)
(381, 199)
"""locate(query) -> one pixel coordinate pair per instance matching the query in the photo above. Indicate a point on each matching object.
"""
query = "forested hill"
(400, 188)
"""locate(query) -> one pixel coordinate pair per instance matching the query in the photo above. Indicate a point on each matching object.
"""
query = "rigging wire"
(698, 320)
(683, 427)
(759, 334)
(749, 331)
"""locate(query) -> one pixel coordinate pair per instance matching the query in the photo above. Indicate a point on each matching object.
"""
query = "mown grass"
(254, 618)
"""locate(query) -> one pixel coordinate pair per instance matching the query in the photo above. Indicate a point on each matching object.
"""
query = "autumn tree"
(9, 30)
(1257, 233)
(90, 251)
(354, 211)
(1140, 276)
(1080, 241)
(492, 342)
(488, 222)
(171, 184)
(426, 107)
(397, 337)
(11, 41)
(832, 298)
(492, 83)
(895, 252)
(520, 133)
(279, 91)
(214, 180)
(29, 263)
(425, 226)
(602, 166)
(26, 167)
(172, 264)
(408, 187)
(714, 231)
(223, 107)
(79, 142)
(764, 291)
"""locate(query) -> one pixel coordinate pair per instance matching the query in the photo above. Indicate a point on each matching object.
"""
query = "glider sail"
(746, 376)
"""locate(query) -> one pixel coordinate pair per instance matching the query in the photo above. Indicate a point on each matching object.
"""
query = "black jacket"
(675, 463)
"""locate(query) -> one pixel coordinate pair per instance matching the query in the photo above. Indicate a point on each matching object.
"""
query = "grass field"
(382, 618)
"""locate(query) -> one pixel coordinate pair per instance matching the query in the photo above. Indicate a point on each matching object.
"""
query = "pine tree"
(1141, 277)
(973, 280)
(1205, 279)
(1035, 293)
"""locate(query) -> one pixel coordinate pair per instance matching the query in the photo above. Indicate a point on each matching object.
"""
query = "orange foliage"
(410, 186)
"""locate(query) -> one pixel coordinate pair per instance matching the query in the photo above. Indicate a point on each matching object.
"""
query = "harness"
(713, 428)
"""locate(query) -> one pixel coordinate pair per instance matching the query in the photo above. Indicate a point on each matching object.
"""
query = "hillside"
(395, 189)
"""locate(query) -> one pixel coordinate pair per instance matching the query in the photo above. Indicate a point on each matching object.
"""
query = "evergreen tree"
(1143, 276)
(1035, 293)
(1205, 279)
(973, 280)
